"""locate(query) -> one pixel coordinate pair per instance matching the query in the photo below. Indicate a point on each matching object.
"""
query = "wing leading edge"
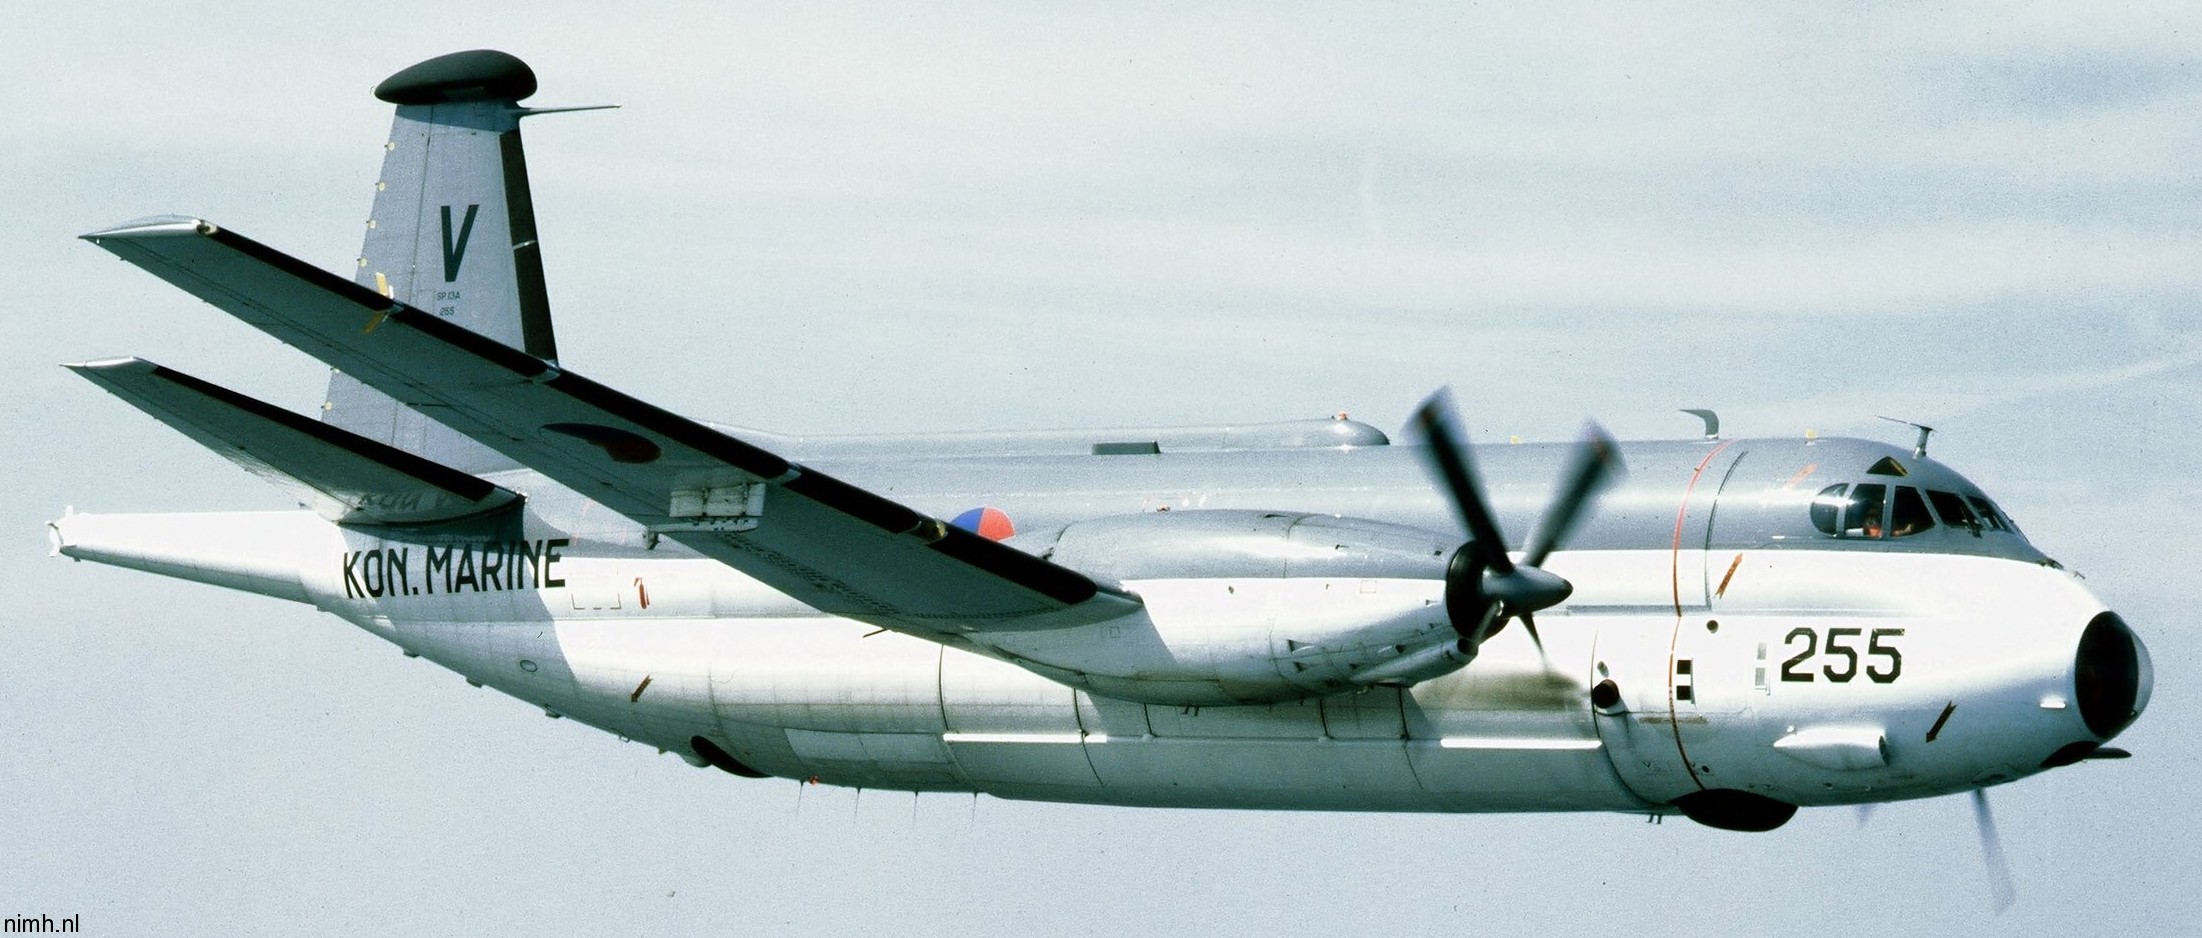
(825, 542)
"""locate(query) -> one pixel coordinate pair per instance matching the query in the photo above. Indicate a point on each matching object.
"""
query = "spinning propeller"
(2000, 888)
(1483, 586)
(1991, 850)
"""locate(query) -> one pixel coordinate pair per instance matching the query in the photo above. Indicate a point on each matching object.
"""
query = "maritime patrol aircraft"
(1296, 615)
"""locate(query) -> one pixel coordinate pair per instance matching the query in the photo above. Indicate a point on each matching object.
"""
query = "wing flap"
(343, 476)
(830, 544)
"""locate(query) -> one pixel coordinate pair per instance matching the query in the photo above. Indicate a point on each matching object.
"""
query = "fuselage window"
(1910, 515)
(1951, 507)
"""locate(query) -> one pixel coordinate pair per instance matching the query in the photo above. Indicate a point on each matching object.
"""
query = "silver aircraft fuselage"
(1724, 633)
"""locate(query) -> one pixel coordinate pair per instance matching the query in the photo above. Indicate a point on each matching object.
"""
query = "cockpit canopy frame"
(1878, 510)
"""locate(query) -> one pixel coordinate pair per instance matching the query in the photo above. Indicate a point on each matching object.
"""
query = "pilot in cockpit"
(1875, 510)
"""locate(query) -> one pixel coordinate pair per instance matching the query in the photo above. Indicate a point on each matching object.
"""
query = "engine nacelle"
(1248, 607)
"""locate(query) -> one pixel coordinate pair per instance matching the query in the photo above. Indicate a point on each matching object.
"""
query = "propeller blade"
(1991, 849)
(1865, 814)
(1588, 468)
(1450, 459)
(1529, 622)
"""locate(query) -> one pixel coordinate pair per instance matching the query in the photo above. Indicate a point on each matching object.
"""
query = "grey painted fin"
(453, 233)
(343, 476)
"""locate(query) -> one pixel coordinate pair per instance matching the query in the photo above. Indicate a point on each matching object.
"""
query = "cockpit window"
(1988, 513)
(1910, 515)
(1864, 517)
(1926, 510)
(1827, 509)
(1869, 511)
(1888, 466)
(1951, 507)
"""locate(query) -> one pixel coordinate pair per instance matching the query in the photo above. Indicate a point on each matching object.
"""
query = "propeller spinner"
(1483, 586)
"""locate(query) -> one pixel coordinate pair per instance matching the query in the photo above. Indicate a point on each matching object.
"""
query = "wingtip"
(153, 226)
(125, 363)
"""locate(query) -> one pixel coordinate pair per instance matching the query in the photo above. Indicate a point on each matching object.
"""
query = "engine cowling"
(1249, 607)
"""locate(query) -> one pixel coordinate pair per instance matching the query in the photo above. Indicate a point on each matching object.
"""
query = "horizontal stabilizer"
(342, 475)
(829, 544)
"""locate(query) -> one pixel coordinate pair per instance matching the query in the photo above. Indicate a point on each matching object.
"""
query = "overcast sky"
(1976, 216)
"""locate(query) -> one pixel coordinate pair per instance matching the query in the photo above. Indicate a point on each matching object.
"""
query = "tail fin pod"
(453, 233)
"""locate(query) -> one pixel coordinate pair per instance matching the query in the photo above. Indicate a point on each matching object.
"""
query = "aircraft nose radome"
(2111, 676)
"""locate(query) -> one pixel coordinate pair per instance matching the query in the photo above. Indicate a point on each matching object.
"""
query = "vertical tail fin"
(453, 233)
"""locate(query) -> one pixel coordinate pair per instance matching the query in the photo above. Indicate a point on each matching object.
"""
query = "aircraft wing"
(825, 542)
(345, 477)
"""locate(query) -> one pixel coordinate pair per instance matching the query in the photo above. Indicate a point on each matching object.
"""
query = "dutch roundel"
(988, 523)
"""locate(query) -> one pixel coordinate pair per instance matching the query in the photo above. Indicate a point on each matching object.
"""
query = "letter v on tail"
(454, 251)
